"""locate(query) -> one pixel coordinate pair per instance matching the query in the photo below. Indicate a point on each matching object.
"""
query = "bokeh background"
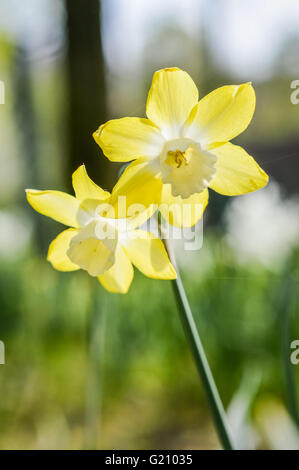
(87, 369)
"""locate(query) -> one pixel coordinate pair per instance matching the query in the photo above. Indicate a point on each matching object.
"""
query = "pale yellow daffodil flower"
(99, 240)
(183, 148)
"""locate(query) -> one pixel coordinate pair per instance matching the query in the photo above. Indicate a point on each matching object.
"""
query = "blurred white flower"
(238, 411)
(263, 226)
(278, 431)
(15, 233)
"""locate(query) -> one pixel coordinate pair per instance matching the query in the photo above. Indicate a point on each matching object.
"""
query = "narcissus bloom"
(99, 241)
(183, 148)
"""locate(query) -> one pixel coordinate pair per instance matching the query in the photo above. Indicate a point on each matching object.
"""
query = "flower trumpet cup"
(102, 239)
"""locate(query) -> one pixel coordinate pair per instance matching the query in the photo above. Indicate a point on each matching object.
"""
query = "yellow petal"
(236, 171)
(221, 115)
(148, 254)
(182, 212)
(92, 254)
(85, 188)
(140, 184)
(55, 204)
(123, 140)
(171, 98)
(118, 278)
(57, 251)
(139, 217)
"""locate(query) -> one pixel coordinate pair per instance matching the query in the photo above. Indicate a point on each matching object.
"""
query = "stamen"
(176, 158)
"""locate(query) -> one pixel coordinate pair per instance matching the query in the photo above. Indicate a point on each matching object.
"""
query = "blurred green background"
(88, 369)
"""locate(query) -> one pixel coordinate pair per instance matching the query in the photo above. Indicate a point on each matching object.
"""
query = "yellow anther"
(176, 158)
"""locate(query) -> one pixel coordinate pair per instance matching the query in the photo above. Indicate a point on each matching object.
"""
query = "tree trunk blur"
(25, 116)
(87, 89)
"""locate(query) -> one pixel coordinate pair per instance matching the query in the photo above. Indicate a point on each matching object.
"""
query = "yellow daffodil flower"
(183, 148)
(99, 240)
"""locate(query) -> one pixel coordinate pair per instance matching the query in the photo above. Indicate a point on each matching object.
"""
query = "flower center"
(186, 166)
(176, 158)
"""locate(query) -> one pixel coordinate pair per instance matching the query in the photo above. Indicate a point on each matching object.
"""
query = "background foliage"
(88, 369)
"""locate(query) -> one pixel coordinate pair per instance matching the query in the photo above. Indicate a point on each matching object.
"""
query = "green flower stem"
(94, 373)
(200, 357)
